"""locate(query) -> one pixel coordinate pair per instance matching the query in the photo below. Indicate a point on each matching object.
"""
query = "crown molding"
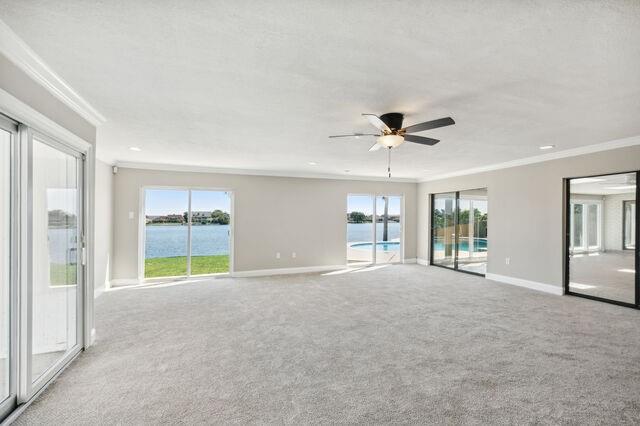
(248, 172)
(18, 52)
(574, 152)
(18, 110)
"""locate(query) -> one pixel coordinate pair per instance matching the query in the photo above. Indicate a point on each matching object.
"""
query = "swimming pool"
(380, 245)
(479, 244)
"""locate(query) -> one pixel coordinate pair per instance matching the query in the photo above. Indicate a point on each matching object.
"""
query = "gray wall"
(21, 86)
(525, 211)
(103, 253)
(272, 214)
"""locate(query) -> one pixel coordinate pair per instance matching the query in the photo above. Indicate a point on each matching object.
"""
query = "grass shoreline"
(158, 267)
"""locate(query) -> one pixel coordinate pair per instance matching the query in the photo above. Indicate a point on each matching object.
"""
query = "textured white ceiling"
(606, 185)
(261, 84)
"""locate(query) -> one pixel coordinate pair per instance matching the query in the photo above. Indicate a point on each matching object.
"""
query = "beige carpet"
(398, 344)
(609, 275)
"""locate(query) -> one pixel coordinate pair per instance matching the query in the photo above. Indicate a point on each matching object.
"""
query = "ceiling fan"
(393, 134)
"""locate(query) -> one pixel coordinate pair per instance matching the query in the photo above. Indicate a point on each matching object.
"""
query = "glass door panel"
(592, 226)
(5, 262)
(388, 229)
(629, 225)
(576, 227)
(166, 248)
(599, 266)
(56, 255)
(360, 229)
(210, 233)
(443, 230)
(472, 231)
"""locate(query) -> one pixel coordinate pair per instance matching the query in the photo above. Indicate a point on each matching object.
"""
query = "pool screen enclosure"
(459, 230)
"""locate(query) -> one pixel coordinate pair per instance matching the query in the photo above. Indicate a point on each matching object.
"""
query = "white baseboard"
(286, 271)
(98, 292)
(412, 260)
(123, 282)
(547, 288)
(423, 262)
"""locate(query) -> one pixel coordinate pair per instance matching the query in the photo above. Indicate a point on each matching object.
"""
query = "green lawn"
(175, 266)
(62, 274)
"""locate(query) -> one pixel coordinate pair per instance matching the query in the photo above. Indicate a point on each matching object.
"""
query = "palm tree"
(385, 220)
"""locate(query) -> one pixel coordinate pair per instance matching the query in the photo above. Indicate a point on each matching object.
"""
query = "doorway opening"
(601, 254)
(374, 229)
(186, 232)
(459, 230)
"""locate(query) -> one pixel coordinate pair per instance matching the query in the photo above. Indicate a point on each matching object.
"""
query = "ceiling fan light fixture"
(390, 141)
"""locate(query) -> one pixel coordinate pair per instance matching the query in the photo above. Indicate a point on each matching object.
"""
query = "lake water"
(362, 232)
(171, 240)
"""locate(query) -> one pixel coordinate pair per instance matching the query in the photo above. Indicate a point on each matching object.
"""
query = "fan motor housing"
(393, 120)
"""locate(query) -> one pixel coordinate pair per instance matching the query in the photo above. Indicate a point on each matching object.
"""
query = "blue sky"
(166, 201)
(362, 203)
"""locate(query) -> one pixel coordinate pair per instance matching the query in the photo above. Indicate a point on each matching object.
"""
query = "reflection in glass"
(56, 250)
(629, 225)
(443, 229)
(166, 233)
(5, 231)
(592, 226)
(577, 225)
(472, 231)
(598, 265)
(388, 229)
(359, 229)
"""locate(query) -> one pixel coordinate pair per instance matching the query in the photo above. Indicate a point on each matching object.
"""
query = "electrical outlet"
(507, 260)
(293, 255)
(277, 255)
(131, 215)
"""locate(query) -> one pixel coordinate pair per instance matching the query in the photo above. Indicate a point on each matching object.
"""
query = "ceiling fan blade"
(376, 146)
(353, 135)
(427, 125)
(420, 139)
(377, 123)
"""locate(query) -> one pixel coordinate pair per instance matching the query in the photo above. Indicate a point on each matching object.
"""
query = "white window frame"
(374, 218)
(142, 234)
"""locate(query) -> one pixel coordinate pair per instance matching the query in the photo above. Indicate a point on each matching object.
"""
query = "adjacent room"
(312, 212)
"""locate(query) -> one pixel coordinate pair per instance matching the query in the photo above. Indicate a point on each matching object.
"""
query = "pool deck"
(382, 256)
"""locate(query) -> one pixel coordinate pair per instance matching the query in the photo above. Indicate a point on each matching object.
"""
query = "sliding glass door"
(42, 260)
(374, 229)
(388, 228)
(210, 232)
(56, 264)
(459, 230)
(8, 131)
(629, 225)
(186, 232)
(443, 236)
(601, 234)
(166, 246)
(472, 231)
(360, 232)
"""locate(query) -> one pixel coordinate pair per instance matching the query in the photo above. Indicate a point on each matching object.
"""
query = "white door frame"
(28, 388)
(189, 189)
(585, 226)
(374, 218)
(31, 121)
